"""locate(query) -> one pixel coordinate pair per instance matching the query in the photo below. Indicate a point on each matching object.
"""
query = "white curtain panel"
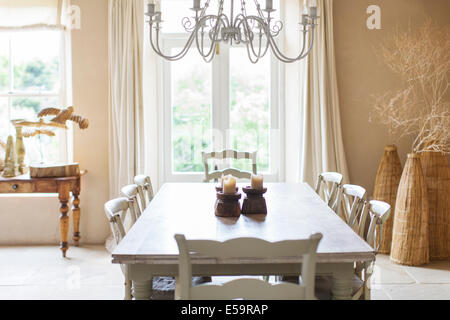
(321, 143)
(126, 137)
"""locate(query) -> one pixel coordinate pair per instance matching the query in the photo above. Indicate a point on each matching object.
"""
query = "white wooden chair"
(352, 199)
(328, 187)
(116, 210)
(376, 213)
(247, 288)
(144, 188)
(131, 193)
(228, 154)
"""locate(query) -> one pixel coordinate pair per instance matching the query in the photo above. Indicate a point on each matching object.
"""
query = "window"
(30, 80)
(227, 104)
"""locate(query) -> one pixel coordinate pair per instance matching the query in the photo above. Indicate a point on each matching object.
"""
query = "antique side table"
(63, 187)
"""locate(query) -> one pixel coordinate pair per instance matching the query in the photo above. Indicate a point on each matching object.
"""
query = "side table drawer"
(16, 187)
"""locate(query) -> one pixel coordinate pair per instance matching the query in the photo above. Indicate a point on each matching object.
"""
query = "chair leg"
(367, 286)
(128, 295)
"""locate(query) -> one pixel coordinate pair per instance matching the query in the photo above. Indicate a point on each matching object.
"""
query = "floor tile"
(418, 292)
(433, 273)
(386, 272)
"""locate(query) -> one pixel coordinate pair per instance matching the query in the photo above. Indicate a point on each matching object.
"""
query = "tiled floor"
(41, 273)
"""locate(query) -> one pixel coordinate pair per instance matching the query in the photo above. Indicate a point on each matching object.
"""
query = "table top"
(26, 177)
(295, 211)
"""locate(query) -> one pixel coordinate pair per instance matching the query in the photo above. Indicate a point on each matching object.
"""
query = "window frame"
(220, 111)
(61, 94)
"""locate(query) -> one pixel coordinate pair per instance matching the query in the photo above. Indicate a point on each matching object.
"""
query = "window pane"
(191, 111)
(38, 148)
(4, 62)
(250, 111)
(36, 61)
(173, 12)
(5, 128)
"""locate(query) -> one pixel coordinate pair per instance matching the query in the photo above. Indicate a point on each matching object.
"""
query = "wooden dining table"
(295, 211)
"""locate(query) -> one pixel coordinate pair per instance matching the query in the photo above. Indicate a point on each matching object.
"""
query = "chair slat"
(228, 154)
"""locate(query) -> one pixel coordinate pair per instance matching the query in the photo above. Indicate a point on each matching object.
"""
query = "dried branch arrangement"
(421, 107)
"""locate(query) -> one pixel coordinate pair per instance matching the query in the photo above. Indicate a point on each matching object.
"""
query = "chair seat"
(324, 284)
(164, 287)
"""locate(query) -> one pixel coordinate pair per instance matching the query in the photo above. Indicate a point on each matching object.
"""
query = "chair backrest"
(248, 248)
(377, 212)
(145, 188)
(228, 154)
(328, 184)
(131, 192)
(115, 211)
(353, 198)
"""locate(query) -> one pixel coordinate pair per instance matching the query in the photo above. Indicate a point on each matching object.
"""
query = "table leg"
(64, 194)
(142, 290)
(76, 218)
(342, 281)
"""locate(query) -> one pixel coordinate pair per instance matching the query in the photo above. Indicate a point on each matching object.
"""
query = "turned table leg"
(64, 194)
(342, 282)
(76, 217)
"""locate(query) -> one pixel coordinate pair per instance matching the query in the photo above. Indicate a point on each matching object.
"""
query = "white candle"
(269, 4)
(257, 182)
(229, 185)
(313, 12)
(221, 181)
(196, 4)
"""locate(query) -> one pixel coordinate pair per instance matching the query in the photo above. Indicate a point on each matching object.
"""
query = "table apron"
(145, 272)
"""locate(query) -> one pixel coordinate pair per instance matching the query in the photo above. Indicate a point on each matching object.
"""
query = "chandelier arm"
(250, 43)
(286, 59)
(175, 57)
(213, 40)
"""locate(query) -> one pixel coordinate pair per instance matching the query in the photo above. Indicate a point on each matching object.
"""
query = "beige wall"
(360, 75)
(30, 220)
(90, 95)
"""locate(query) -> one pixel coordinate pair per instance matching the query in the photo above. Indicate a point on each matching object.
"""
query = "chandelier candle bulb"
(269, 4)
(151, 9)
(257, 182)
(196, 4)
(313, 12)
(229, 185)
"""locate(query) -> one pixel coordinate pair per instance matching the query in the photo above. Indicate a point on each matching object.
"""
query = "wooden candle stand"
(254, 202)
(228, 205)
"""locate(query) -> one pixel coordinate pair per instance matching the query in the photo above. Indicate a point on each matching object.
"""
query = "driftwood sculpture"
(41, 124)
(33, 133)
(64, 115)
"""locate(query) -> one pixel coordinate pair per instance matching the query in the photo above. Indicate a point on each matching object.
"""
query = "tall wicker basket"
(386, 185)
(410, 245)
(437, 173)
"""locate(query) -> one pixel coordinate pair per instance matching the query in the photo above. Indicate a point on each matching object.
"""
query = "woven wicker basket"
(410, 245)
(437, 173)
(386, 185)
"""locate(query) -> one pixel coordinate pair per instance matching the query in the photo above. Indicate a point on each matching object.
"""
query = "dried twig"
(421, 107)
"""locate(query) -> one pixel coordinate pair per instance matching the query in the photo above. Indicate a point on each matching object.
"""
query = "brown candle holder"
(228, 205)
(254, 202)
